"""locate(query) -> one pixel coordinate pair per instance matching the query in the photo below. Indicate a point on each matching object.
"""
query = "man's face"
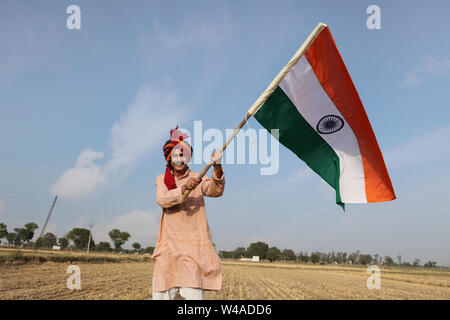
(179, 159)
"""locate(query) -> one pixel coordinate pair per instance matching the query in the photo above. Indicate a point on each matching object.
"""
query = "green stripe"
(295, 133)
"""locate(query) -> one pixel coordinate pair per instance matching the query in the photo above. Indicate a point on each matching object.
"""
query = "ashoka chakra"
(330, 124)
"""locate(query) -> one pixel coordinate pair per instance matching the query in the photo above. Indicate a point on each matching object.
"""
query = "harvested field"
(241, 280)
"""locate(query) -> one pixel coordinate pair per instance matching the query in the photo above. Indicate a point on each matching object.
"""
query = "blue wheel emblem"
(330, 124)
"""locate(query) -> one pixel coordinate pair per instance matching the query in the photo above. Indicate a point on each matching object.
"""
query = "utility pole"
(45, 225)
(90, 235)
(48, 217)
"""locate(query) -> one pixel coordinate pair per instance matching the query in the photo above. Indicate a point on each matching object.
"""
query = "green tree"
(149, 250)
(324, 257)
(29, 244)
(63, 242)
(303, 257)
(388, 260)
(365, 259)
(340, 257)
(3, 231)
(48, 240)
(31, 226)
(11, 237)
(258, 249)
(288, 254)
(40, 242)
(21, 233)
(273, 254)
(239, 252)
(376, 256)
(332, 257)
(136, 246)
(315, 257)
(354, 257)
(103, 246)
(118, 238)
(27, 233)
(430, 264)
(18, 241)
(226, 254)
(416, 263)
(80, 238)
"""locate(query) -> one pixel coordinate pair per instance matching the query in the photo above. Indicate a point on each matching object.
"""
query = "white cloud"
(82, 179)
(142, 225)
(429, 66)
(145, 123)
(140, 129)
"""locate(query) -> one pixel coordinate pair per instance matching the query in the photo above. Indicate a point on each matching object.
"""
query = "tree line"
(80, 239)
(272, 254)
(77, 239)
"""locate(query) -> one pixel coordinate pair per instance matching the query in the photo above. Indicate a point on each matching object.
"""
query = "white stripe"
(307, 94)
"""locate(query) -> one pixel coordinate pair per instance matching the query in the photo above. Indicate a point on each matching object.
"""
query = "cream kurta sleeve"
(164, 197)
(214, 186)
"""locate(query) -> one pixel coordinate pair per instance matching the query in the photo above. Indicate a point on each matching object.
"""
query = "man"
(186, 260)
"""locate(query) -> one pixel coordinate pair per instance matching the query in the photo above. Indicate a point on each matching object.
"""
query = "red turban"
(176, 137)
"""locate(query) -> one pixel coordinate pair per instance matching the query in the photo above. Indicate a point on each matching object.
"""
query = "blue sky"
(136, 69)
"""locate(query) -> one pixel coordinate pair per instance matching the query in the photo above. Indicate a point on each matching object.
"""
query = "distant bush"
(17, 257)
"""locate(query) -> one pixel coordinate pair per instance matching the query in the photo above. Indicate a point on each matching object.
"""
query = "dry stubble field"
(241, 280)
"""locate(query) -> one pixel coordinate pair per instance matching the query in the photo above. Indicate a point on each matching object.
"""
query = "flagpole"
(265, 95)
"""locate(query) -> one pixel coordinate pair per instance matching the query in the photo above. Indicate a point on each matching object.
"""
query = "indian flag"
(320, 117)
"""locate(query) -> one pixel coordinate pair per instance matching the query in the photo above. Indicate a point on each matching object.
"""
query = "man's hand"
(191, 184)
(216, 158)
